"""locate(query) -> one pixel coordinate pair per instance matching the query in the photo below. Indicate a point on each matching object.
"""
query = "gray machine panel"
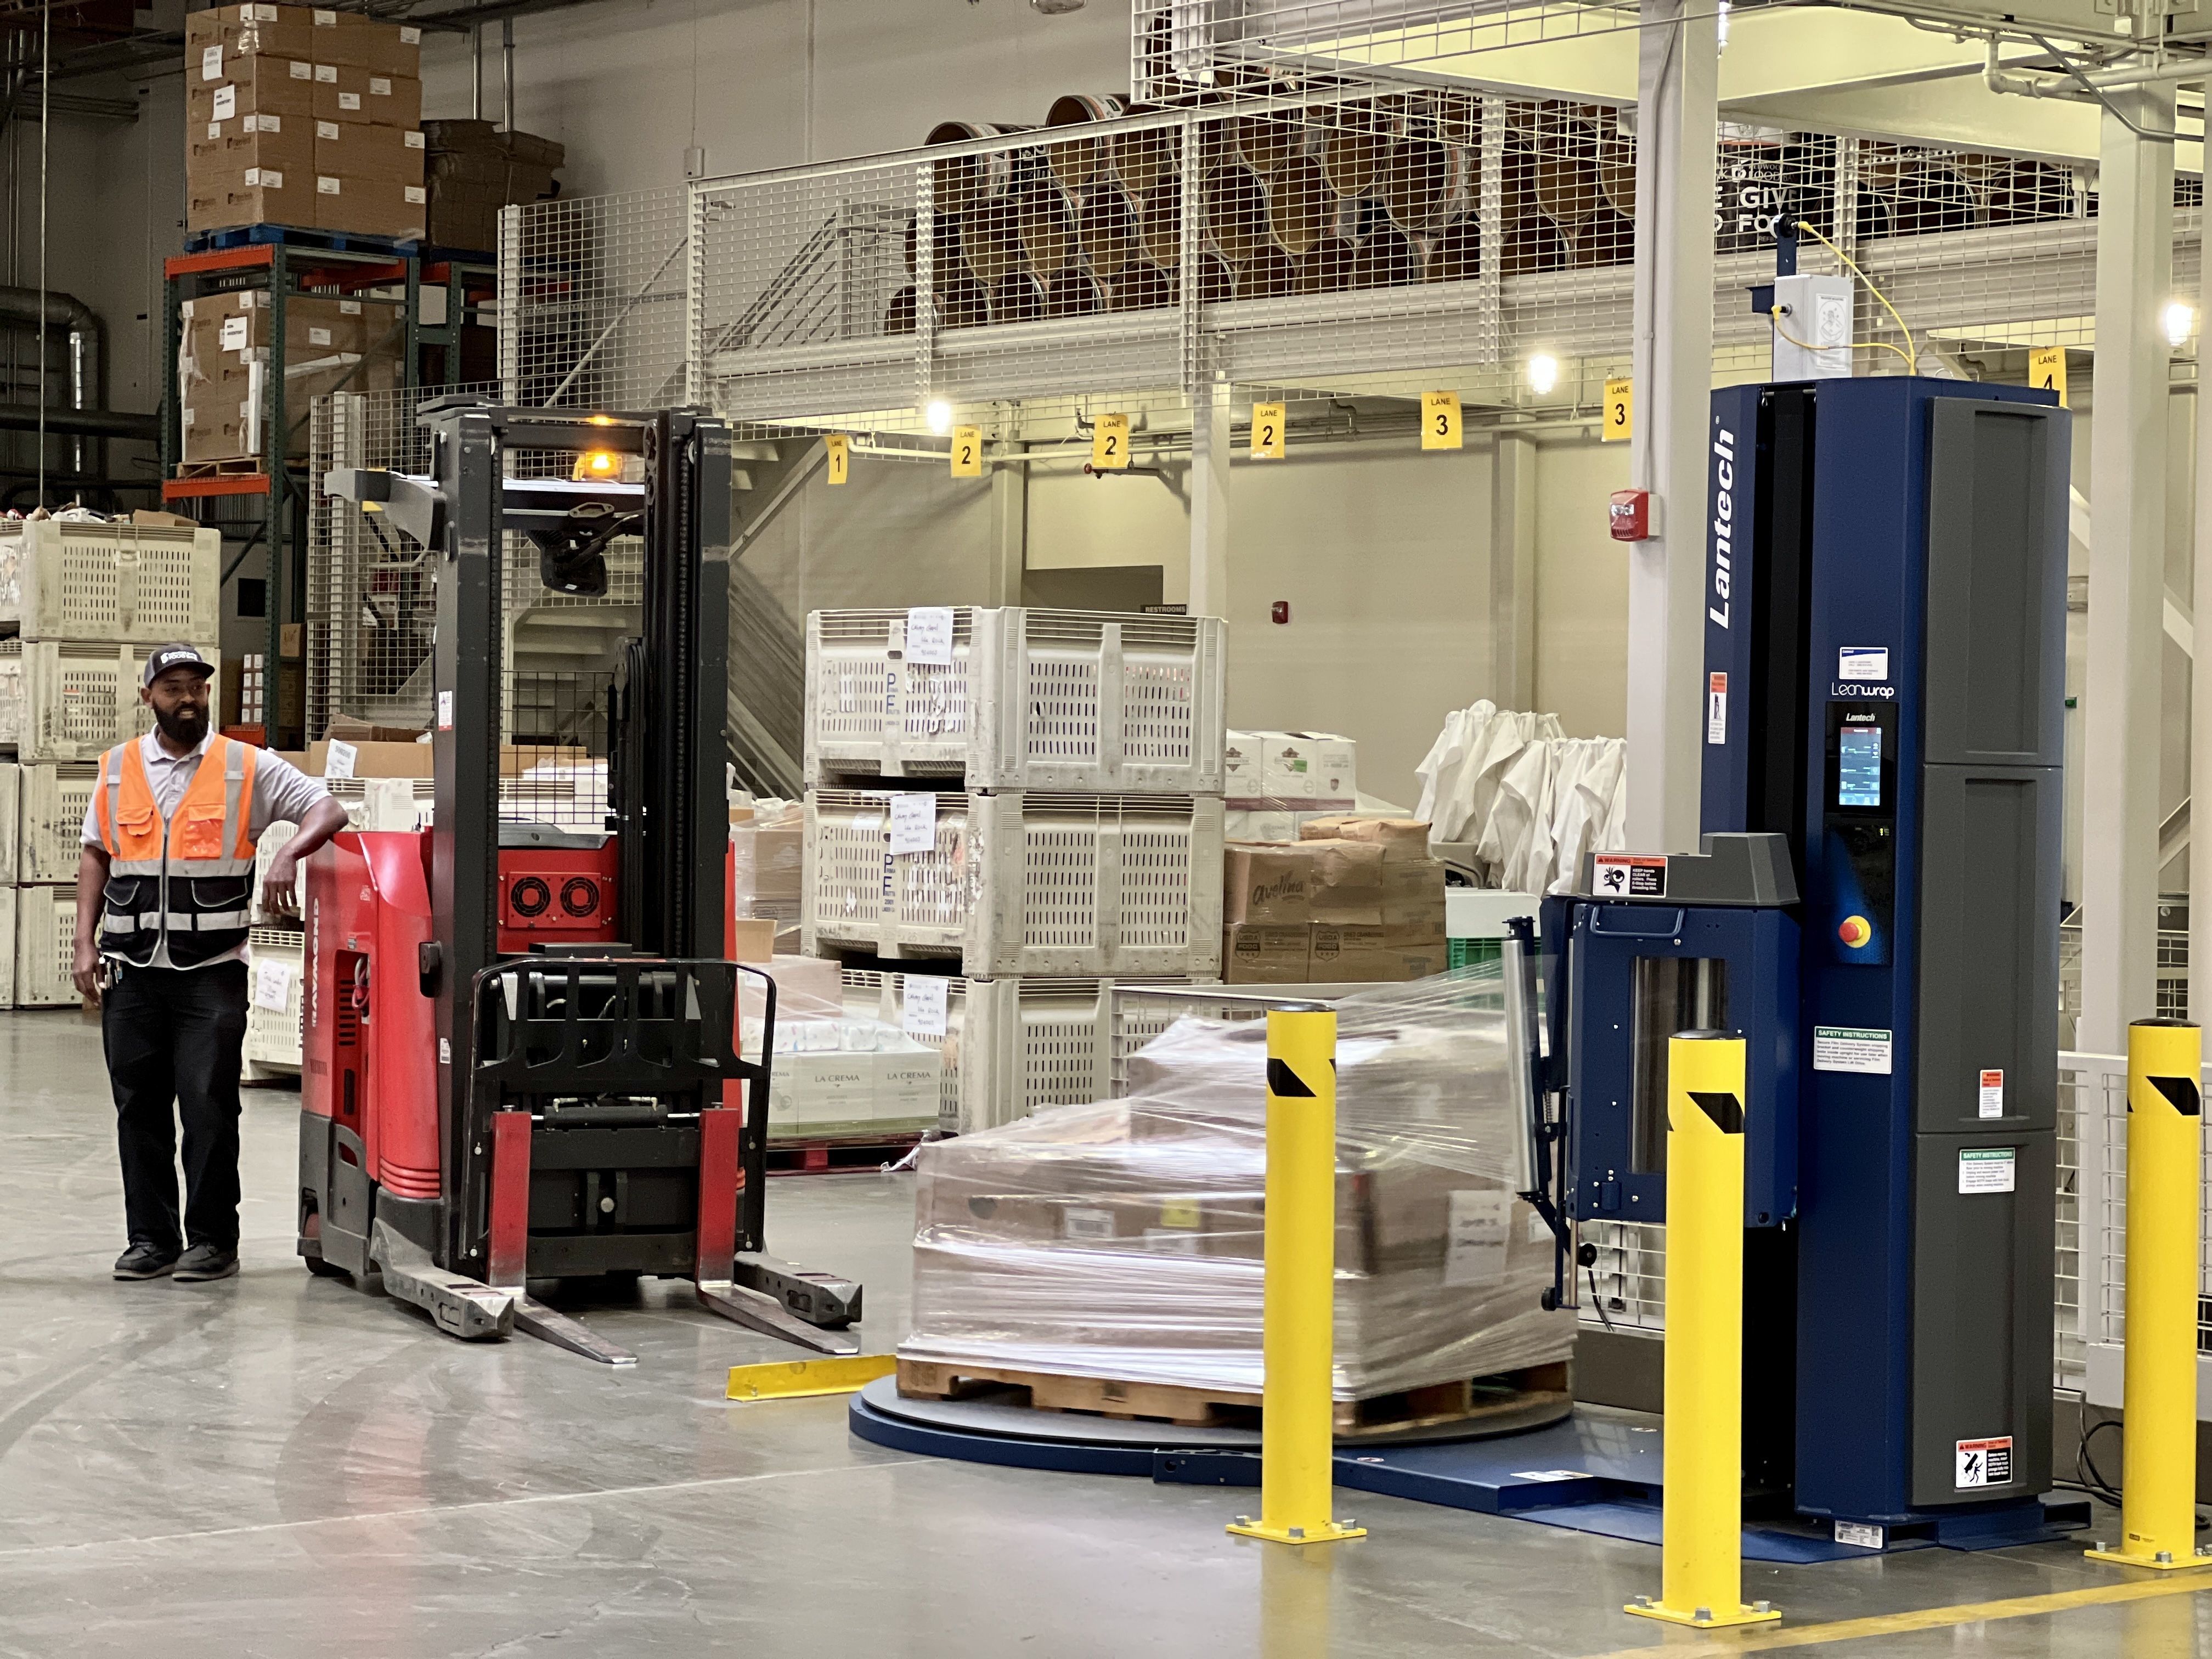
(1981, 1271)
(1996, 656)
(1988, 948)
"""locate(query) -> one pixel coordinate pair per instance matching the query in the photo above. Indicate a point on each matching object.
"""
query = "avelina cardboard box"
(1292, 884)
(1365, 955)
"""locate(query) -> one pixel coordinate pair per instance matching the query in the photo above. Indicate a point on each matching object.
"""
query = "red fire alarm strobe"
(1631, 515)
(1279, 611)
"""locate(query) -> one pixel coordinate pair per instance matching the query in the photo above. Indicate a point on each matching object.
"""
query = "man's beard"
(185, 728)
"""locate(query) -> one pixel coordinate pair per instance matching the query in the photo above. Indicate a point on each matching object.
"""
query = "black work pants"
(173, 1039)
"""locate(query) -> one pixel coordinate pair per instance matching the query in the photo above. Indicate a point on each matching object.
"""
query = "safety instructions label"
(1716, 709)
(1986, 1170)
(1850, 1049)
(1984, 1462)
(1629, 875)
(1991, 1097)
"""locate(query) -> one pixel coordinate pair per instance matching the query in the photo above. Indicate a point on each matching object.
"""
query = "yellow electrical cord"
(1912, 352)
(1774, 314)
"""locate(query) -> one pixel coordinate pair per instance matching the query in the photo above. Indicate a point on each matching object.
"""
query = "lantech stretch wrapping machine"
(1877, 908)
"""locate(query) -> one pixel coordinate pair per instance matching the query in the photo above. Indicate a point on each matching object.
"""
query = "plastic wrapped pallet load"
(1123, 1240)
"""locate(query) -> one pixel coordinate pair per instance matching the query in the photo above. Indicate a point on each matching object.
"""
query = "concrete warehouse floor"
(277, 1466)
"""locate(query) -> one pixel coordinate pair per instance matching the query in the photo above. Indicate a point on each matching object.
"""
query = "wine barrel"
(1267, 143)
(1216, 281)
(1018, 298)
(1107, 228)
(1425, 184)
(1353, 149)
(962, 303)
(1325, 267)
(1455, 255)
(1565, 183)
(1386, 258)
(958, 183)
(1075, 292)
(991, 240)
(1532, 243)
(1076, 163)
(1606, 237)
(1235, 213)
(1046, 225)
(1144, 161)
(1300, 205)
(1159, 225)
(1616, 175)
(898, 316)
(944, 244)
(1269, 271)
(1142, 286)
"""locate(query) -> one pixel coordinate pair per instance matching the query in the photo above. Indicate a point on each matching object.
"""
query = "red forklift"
(522, 1064)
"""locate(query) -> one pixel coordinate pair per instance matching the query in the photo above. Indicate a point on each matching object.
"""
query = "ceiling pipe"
(85, 339)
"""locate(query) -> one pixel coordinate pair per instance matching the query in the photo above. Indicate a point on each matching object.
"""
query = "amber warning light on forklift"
(599, 463)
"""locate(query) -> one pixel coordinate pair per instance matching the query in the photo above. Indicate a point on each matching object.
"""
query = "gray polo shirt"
(283, 793)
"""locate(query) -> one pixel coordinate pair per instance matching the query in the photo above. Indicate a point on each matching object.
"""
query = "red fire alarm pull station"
(1279, 611)
(1631, 515)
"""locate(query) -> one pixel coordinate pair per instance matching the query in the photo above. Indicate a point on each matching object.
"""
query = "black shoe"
(144, 1262)
(204, 1261)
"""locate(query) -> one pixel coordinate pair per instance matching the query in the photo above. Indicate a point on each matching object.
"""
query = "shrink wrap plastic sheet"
(1124, 1239)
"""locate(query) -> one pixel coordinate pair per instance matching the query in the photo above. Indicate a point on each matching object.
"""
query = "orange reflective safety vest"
(188, 877)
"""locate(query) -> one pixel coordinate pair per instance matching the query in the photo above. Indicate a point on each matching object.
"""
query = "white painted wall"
(629, 84)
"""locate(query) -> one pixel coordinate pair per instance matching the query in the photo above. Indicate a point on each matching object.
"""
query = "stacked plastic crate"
(1007, 810)
(83, 603)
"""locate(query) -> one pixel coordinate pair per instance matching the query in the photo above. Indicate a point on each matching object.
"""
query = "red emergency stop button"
(1854, 931)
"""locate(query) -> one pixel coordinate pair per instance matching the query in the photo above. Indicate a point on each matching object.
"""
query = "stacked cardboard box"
(303, 117)
(330, 343)
(475, 170)
(1357, 899)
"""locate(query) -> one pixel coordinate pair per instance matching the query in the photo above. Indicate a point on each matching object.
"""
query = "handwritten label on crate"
(922, 1009)
(913, 822)
(929, 634)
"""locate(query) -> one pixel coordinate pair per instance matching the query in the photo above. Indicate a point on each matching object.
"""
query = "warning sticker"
(1629, 875)
(1986, 1170)
(1850, 1049)
(1984, 1463)
(1992, 1097)
(1715, 708)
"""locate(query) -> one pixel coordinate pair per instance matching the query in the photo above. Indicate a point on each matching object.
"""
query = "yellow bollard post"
(1298, 1439)
(2165, 1154)
(1701, 1540)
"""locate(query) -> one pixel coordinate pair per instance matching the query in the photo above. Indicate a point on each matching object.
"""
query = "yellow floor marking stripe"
(795, 1379)
(1771, 1638)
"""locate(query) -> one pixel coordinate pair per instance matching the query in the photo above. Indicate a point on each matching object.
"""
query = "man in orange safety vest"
(164, 887)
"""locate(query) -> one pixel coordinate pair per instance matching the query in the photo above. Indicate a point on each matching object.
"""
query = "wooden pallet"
(838, 1156)
(1539, 1387)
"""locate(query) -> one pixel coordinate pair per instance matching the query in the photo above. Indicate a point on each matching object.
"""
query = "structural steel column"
(1678, 114)
(2127, 577)
(1513, 571)
(1010, 526)
(1208, 592)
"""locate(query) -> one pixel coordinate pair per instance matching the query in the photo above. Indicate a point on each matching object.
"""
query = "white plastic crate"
(75, 700)
(54, 795)
(275, 1037)
(11, 809)
(369, 802)
(1010, 1046)
(149, 584)
(1032, 699)
(1021, 884)
(8, 953)
(45, 946)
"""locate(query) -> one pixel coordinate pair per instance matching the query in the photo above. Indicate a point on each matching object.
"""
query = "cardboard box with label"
(282, 86)
(1295, 883)
(362, 149)
(1292, 770)
(355, 94)
(371, 206)
(1366, 955)
(1253, 954)
(324, 36)
(223, 357)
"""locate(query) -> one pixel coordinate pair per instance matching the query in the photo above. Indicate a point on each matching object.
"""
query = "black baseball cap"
(175, 656)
